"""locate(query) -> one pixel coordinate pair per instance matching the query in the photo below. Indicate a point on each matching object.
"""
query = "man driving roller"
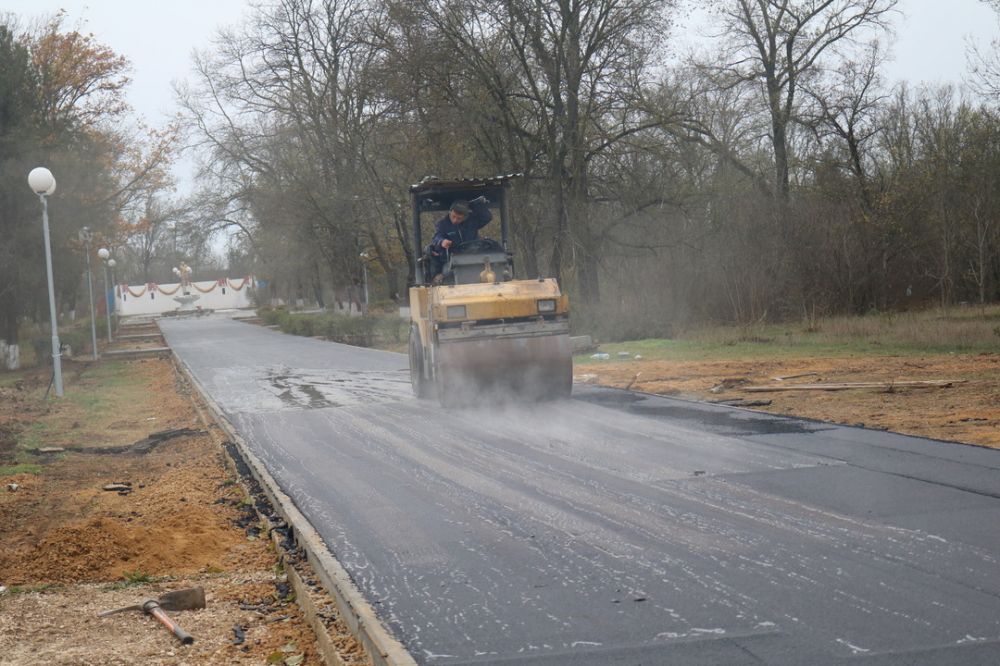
(460, 225)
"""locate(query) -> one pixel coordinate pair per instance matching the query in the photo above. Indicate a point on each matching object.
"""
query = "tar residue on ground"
(719, 419)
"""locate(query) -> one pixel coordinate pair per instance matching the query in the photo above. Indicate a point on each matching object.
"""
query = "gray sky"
(929, 45)
(158, 38)
(931, 39)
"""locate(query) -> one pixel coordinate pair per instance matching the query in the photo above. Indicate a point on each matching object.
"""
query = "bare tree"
(574, 91)
(984, 63)
(779, 45)
(845, 107)
(287, 109)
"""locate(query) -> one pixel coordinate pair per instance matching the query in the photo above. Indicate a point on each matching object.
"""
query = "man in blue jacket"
(461, 224)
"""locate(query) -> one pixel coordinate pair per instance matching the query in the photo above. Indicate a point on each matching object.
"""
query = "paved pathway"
(616, 528)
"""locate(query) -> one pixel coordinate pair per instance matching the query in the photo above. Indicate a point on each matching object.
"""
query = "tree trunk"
(780, 142)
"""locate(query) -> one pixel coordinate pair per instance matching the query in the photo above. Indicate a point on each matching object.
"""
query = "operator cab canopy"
(435, 195)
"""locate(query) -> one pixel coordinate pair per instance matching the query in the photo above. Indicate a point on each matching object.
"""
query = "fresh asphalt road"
(616, 528)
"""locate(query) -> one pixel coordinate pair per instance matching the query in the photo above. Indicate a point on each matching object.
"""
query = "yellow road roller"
(477, 332)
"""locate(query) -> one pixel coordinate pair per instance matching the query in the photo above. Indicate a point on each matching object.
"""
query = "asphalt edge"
(358, 614)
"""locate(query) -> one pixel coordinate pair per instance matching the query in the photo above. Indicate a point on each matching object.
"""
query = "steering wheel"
(477, 245)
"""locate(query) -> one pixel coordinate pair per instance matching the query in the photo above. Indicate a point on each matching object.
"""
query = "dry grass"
(961, 326)
(966, 328)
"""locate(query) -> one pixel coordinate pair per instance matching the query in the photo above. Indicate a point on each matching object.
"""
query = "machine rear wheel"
(422, 387)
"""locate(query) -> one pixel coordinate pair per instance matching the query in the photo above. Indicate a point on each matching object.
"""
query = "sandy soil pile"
(69, 548)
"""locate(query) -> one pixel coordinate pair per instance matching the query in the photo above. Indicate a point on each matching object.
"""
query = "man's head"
(459, 211)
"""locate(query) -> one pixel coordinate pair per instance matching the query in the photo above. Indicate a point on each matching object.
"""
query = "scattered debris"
(585, 378)
(637, 357)
(845, 386)
(143, 446)
(51, 449)
(741, 402)
(600, 356)
(699, 472)
(3, 590)
(624, 354)
(119, 487)
(581, 343)
(283, 590)
(728, 383)
(632, 383)
(12, 487)
(239, 635)
(148, 444)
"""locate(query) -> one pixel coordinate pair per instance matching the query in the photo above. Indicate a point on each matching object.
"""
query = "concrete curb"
(358, 614)
(137, 353)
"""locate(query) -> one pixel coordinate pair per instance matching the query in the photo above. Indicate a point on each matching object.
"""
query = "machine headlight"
(456, 312)
(547, 305)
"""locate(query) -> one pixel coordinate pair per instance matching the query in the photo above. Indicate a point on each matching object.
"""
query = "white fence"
(221, 294)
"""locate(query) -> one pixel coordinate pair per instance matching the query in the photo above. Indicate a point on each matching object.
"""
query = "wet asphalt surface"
(616, 528)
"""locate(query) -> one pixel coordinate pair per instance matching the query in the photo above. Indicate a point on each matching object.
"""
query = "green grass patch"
(21, 468)
(93, 400)
(30, 589)
(138, 577)
(34, 436)
(9, 379)
(132, 579)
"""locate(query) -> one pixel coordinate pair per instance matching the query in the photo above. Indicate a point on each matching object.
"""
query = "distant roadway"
(616, 528)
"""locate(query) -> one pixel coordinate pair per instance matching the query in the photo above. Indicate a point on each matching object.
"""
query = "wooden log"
(804, 374)
(846, 386)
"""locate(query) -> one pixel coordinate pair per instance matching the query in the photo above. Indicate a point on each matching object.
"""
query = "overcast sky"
(158, 37)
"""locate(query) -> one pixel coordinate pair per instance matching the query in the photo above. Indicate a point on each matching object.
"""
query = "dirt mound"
(190, 541)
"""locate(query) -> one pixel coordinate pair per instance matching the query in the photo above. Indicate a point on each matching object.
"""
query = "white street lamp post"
(114, 285)
(85, 237)
(364, 279)
(105, 256)
(42, 183)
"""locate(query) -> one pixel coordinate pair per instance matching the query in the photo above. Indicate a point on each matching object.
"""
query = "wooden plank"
(804, 374)
(846, 386)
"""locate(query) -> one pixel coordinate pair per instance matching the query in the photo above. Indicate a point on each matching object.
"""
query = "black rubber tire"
(422, 387)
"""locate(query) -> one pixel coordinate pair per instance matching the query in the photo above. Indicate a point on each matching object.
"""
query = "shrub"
(391, 328)
(365, 331)
(272, 316)
(76, 339)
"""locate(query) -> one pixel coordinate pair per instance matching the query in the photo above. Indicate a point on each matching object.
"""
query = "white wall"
(159, 298)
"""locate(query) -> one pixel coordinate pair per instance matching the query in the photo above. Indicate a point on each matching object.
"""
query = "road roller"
(478, 331)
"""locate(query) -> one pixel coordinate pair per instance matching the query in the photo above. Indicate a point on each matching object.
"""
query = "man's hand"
(446, 243)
